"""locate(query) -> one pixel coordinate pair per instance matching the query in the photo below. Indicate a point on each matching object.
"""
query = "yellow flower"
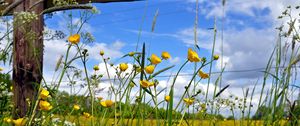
(7, 120)
(203, 75)
(96, 67)
(44, 94)
(107, 103)
(1, 69)
(188, 101)
(149, 69)
(193, 56)
(165, 55)
(76, 107)
(167, 98)
(44, 105)
(123, 66)
(216, 57)
(101, 52)
(131, 54)
(145, 83)
(20, 122)
(74, 39)
(86, 115)
(155, 59)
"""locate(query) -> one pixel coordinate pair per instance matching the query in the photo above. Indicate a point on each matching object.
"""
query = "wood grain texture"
(27, 59)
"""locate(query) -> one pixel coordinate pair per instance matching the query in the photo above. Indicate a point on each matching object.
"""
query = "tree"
(28, 45)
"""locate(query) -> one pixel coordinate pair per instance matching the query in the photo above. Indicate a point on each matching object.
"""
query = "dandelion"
(131, 54)
(188, 101)
(155, 59)
(20, 122)
(165, 55)
(193, 56)
(203, 75)
(107, 103)
(96, 67)
(74, 39)
(145, 83)
(76, 107)
(86, 115)
(216, 57)
(44, 94)
(101, 52)
(44, 105)
(167, 98)
(123, 66)
(149, 69)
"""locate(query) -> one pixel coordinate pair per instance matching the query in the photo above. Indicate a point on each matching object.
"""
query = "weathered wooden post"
(28, 48)
(27, 56)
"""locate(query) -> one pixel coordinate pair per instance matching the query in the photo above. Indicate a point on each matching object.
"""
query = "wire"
(217, 72)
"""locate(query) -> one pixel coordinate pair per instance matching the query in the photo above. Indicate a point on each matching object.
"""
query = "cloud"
(248, 48)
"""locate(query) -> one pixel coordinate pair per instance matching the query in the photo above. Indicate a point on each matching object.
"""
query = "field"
(194, 62)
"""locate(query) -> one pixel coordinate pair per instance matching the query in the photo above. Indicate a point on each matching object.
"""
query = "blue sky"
(249, 34)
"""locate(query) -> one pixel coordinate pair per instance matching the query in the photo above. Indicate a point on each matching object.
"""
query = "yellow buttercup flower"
(107, 103)
(165, 55)
(193, 56)
(76, 107)
(149, 69)
(74, 39)
(167, 98)
(216, 57)
(44, 105)
(145, 83)
(188, 101)
(101, 52)
(20, 122)
(203, 75)
(7, 120)
(123, 66)
(155, 59)
(86, 115)
(96, 67)
(44, 94)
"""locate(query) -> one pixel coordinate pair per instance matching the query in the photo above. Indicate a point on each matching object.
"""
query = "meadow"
(135, 94)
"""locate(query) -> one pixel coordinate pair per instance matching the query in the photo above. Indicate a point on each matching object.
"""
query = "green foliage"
(5, 93)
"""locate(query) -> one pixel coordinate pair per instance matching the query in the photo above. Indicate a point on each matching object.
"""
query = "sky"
(247, 27)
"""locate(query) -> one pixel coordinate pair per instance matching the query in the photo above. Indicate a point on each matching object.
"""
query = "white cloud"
(243, 49)
(174, 60)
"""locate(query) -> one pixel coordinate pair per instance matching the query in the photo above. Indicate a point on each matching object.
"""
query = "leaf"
(160, 71)
(223, 89)
(271, 74)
